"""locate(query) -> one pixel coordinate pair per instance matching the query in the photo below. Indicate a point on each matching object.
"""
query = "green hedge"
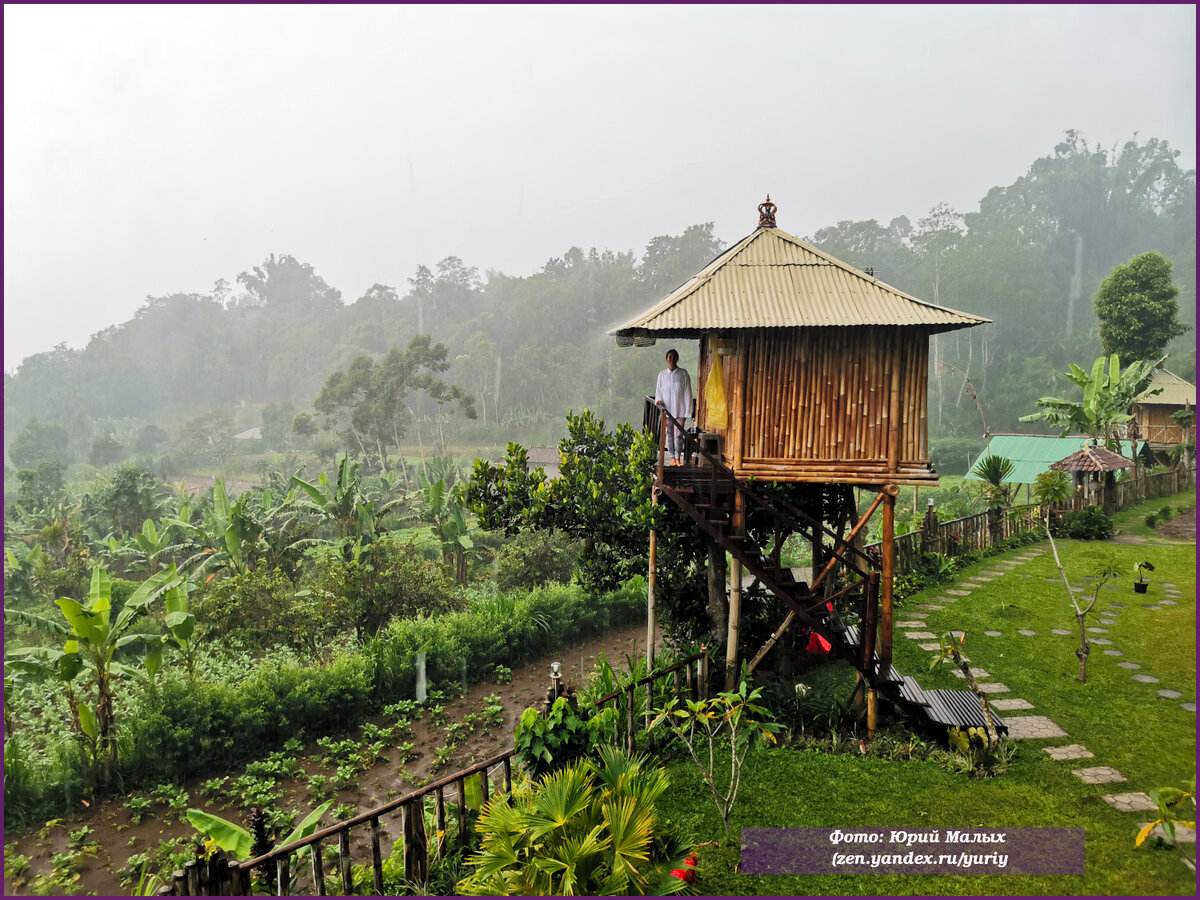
(179, 730)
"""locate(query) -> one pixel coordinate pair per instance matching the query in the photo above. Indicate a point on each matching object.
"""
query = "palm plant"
(994, 471)
(588, 829)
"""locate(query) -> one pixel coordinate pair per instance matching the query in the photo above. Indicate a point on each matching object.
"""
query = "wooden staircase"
(711, 496)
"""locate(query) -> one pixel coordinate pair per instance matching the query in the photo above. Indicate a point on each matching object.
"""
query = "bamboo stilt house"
(825, 367)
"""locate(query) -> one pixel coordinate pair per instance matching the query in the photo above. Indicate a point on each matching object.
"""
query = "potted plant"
(1139, 586)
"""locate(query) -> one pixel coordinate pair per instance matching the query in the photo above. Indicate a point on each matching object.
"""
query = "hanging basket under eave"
(643, 340)
(624, 340)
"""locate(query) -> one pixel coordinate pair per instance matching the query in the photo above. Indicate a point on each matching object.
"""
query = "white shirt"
(674, 391)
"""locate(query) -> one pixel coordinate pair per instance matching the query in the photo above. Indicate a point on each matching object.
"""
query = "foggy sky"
(151, 150)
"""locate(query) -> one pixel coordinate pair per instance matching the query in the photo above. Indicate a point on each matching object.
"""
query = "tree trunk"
(718, 600)
(1085, 646)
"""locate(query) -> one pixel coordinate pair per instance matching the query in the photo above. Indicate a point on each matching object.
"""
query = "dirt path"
(119, 838)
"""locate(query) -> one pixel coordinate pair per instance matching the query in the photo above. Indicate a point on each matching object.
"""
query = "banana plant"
(233, 838)
(228, 536)
(346, 505)
(181, 625)
(445, 509)
(92, 639)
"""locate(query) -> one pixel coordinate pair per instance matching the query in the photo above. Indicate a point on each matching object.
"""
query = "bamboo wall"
(814, 404)
(1156, 426)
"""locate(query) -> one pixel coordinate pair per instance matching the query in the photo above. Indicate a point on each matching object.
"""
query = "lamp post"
(555, 679)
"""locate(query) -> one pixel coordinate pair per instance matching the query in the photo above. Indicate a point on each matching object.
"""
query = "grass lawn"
(1126, 725)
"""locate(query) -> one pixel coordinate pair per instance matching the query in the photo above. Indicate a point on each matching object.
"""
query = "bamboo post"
(735, 614)
(870, 621)
(344, 862)
(508, 775)
(180, 879)
(318, 870)
(462, 809)
(440, 812)
(191, 873)
(650, 581)
(703, 673)
(376, 856)
(283, 876)
(888, 550)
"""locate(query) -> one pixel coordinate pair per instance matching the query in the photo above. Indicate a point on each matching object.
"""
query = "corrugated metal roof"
(771, 279)
(1092, 459)
(1175, 391)
(1032, 454)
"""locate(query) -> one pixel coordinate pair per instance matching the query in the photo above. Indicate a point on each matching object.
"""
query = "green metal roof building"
(1032, 454)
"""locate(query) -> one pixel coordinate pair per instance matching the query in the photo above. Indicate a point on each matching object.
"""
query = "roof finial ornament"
(766, 214)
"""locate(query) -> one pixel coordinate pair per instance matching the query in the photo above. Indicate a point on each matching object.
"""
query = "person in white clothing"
(673, 392)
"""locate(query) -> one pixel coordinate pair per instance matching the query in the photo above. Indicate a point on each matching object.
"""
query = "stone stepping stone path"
(1114, 652)
(1033, 728)
(1190, 707)
(930, 646)
(955, 593)
(994, 572)
(1145, 679)
(1054, 579)
(1069, 751)
(1099, 641)
(911, 624)
(1005, 704)
(978, 673)
(932, 607)
(1166, 584)
(1115, 603)
(1169, 694)
(923, 635)
(1168, 602)
(993, 687)
(1183, 834)
(1151, 606)
(1023, 575)
(1098, 775)
(1138, 802)
(969, 586)
(1028, 632)
(1059, 631)
(993, 633)
(1094, 630)
(1108, 621)
(1111, 587)
(1129, 665)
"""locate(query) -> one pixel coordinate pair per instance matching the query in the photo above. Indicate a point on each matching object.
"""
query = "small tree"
(994, 470)
(1136, 305)
(1105, 574)
(730, 717)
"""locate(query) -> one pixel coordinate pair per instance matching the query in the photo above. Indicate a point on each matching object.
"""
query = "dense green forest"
(281, 350)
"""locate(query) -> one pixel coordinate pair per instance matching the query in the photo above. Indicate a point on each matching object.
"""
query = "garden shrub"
(1151, 520)
(1164, 514)
(533, 558)
(1087, 524)
(565, 735)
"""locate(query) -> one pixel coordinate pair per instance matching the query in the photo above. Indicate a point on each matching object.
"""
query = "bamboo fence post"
(318, 868)
(191, 875)
(283, 875)
(440, 812)
(344, 866)
(377, 856)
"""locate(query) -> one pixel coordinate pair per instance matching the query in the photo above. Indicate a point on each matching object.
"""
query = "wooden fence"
(221, 876)
(973, 532)
(688, 677)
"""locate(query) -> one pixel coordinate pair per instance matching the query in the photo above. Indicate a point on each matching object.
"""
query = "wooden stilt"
(735, 612)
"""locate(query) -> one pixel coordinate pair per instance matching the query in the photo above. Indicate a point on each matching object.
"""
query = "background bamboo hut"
(1153, 414)
(1032, 454)
(823, 369)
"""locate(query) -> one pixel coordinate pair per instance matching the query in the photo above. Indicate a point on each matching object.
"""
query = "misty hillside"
(174, 384)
